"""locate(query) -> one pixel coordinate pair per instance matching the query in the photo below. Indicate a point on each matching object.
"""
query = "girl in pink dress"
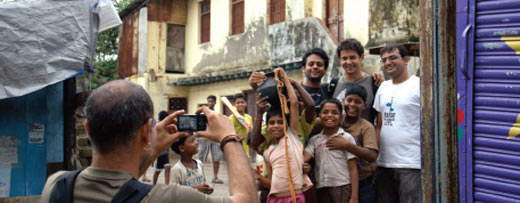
(284, 157)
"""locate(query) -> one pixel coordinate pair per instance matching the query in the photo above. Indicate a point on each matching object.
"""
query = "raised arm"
(257, 138)
(242, 186)
(293, 101)
(307, 101)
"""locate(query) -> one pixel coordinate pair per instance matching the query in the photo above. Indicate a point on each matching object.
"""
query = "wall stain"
(399, 22)
(241, 50)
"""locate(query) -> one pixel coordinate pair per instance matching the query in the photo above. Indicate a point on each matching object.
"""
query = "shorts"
(161, 162)
(300, 198)
(334, 194)
(205, 146)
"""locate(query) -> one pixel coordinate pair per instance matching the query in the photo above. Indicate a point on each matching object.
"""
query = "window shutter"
(237, 17)
(205, 22)
(277, 11)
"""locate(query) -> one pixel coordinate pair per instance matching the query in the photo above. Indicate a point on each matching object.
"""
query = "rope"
(284, 108)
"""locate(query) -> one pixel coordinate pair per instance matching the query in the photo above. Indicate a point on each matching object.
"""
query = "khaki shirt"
(365, 135)
(100, 185)
(331, 168)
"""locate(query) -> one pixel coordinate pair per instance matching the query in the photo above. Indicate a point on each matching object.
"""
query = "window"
(277, 11)
(237, 16)
(175, 40)
(177, 103)
(205, 8)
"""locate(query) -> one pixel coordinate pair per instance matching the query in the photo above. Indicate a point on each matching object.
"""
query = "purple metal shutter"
(489, 100)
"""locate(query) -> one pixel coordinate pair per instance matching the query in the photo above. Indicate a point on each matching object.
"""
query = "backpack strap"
(132, 191)
(64, 187)
(332, 86)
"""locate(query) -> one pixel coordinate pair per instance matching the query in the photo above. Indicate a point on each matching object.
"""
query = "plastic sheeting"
(44, 42)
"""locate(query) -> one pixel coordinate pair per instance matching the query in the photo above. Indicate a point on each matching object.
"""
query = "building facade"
(181, 51)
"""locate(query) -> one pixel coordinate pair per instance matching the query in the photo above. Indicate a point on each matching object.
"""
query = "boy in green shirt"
(240, 102)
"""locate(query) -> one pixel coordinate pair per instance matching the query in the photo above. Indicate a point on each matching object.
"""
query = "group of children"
(341, 151)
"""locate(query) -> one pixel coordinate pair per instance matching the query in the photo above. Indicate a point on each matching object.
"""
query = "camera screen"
(188, 123)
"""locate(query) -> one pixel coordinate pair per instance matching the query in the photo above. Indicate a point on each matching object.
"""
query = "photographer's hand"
(162, 137)
(166, 133)
(241, 184)
(219, 125)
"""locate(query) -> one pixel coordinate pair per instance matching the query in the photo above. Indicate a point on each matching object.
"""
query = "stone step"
(85, 152)
(80, 132)
(83, 141)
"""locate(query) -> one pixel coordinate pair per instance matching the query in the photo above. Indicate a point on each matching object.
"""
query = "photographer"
(119, 124)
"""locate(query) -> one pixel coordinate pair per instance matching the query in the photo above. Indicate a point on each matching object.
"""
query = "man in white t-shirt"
(397, 101)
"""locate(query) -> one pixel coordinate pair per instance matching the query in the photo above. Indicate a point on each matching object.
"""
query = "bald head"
(115, 111)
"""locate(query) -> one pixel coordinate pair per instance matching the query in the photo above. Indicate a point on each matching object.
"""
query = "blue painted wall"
(44, 106)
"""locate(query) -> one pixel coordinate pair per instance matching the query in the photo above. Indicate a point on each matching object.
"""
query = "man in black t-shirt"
(315, 64)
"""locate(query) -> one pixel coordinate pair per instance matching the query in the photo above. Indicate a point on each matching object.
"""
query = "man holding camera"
(120, 126)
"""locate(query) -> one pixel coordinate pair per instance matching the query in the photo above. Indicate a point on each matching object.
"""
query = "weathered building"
(181, 51)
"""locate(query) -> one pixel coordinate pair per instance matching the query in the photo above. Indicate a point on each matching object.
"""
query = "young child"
(365, 147)
(307, 117)
(282, 144)
(188, 171)
(240, 102)
(334, 182)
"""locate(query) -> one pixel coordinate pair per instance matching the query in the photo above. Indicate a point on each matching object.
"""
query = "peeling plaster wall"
(159, 91)
(288, 42)
(199, 93)
(225, 52)
(398, 23)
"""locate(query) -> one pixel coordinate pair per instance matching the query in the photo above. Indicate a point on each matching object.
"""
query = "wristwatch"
(228, 139)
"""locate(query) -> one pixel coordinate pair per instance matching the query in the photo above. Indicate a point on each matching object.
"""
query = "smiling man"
(398, 174)
(315, 64)
(351, 55)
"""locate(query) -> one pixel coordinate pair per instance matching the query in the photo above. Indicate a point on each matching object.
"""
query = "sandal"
(217, 181)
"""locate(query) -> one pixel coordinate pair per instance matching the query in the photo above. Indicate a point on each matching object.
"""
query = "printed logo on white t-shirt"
(389, 117)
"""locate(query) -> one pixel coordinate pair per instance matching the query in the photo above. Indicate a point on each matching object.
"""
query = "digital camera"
(191, 122)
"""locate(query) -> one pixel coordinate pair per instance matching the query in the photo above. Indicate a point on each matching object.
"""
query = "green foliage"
(105, 59)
